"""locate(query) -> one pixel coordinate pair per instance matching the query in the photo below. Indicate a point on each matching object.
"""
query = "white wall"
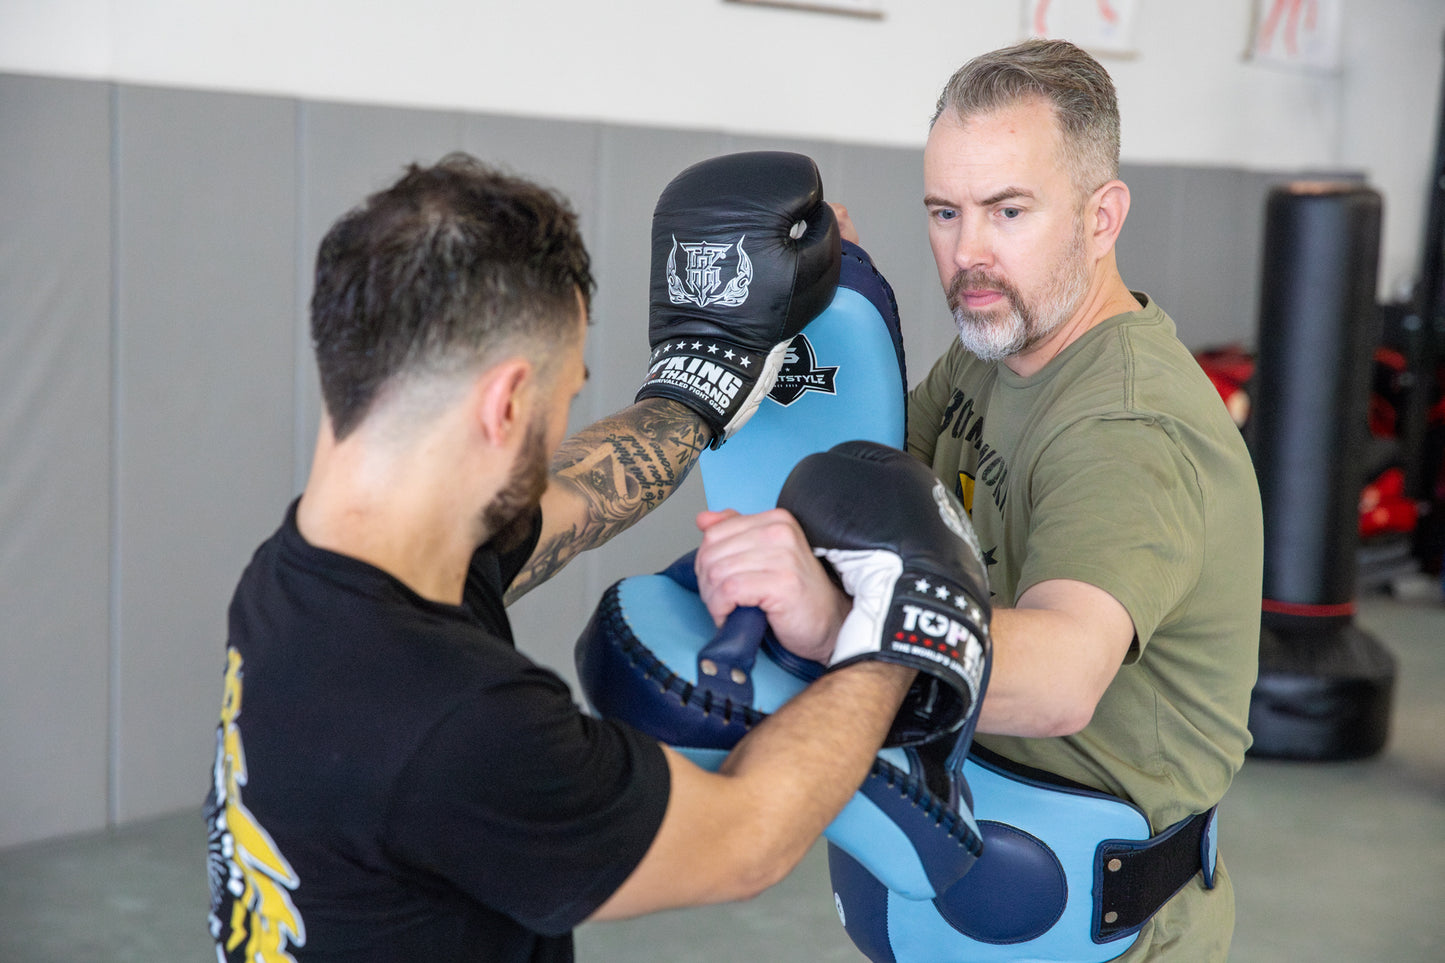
(1187, 96)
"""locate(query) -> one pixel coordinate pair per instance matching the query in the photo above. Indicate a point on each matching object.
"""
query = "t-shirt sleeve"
(926, 404)
(1129, 523)
(533, 808)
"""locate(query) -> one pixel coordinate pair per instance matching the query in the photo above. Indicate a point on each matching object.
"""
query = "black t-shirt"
(394, 781)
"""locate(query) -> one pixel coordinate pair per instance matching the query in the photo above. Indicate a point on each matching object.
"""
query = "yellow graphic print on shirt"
(251, 882)
(965, 491)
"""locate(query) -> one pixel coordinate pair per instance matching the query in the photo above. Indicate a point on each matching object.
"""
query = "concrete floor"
(1331, 862)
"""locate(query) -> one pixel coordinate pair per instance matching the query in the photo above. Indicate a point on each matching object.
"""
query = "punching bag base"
(1321, 695)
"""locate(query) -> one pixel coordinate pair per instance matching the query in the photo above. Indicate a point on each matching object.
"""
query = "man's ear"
(501, 399)
(1110, 205)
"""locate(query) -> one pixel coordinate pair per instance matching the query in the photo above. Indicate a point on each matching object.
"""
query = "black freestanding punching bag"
(1325, 686)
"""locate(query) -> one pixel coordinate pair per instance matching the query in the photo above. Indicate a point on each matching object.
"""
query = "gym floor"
(1330, 861)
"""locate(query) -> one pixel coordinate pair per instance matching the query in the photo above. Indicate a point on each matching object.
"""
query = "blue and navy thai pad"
(652, 657)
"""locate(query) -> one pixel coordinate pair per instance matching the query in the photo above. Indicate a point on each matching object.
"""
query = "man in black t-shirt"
(393, 779)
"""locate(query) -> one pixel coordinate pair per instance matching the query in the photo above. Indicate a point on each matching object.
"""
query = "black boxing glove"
(744, 253)
(904, 549)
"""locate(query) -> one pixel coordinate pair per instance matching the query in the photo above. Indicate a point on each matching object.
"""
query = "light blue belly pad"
(1030, 896)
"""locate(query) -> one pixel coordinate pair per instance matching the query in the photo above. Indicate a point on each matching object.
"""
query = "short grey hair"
(1074, 83)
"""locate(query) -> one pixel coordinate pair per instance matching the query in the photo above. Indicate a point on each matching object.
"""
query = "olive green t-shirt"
(1117, 465)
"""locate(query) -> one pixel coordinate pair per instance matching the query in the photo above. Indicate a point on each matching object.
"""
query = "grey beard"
(993, 338)
(990, 339)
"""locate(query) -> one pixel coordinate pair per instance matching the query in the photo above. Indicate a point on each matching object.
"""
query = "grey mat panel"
(1214, 258)
(220, 201)
(1144, 249)
(828, 155)
(1191, 242)
(206, 235)
(54, 455)
(556, 154)
(347, 151)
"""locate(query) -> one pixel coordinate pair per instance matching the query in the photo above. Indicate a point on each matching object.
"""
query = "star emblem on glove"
(740, 358)
(943, 593)
(924, 587)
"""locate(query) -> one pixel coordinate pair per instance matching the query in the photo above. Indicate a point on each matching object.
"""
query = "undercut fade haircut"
(433, 274)
(1074, 83)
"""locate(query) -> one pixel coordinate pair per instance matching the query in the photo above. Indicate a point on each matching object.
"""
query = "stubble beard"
(993, 336)
(507, 519)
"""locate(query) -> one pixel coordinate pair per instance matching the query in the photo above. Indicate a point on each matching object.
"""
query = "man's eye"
(944, 214)
(1009, 213)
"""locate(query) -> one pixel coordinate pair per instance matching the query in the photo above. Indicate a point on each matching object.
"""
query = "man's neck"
(388, 513)
(1102, 302)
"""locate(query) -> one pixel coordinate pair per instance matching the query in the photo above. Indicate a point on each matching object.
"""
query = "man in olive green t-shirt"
(1113, 495)
(1114, 467)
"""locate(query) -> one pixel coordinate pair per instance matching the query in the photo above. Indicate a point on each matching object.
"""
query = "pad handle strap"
(725, 663)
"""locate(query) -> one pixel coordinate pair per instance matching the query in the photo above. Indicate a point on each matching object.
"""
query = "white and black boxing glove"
(903, 548)
(744, 253)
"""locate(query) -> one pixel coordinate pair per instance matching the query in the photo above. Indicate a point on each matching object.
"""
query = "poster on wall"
(1297, 34)
(1099, 26)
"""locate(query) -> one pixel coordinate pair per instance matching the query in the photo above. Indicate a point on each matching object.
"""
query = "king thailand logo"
(702, 283)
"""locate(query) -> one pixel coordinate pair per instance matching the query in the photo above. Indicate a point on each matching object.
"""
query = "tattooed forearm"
(616, 471)
(627, 465)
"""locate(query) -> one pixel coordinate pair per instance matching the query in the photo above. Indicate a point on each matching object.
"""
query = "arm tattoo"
(616, 470)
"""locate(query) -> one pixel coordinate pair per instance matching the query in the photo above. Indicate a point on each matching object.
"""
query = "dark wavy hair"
(437, 272)
(1078, 87)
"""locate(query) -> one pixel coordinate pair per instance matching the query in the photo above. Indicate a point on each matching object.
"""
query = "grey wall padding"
(205, 217)
(55, 456)
(158, 404)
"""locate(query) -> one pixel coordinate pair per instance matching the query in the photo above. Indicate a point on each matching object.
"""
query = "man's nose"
(971, 246)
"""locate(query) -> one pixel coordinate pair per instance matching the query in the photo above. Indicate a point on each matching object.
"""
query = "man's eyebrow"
(1007, 194)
